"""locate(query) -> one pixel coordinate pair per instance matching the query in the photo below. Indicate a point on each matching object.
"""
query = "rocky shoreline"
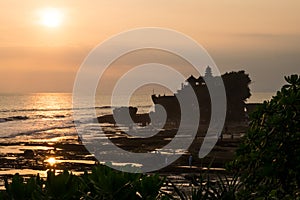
(30, 158)
(72, 150)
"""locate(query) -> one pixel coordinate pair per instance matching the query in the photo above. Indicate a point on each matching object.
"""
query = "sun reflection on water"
(52, 100)
(52, 161)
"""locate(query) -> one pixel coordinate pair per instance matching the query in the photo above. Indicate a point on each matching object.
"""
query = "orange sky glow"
(40, 54)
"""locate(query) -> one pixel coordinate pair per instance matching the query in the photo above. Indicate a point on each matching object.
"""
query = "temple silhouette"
(237, 92)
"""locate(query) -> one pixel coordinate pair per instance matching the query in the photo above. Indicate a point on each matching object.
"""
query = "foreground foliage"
(105, 183)
(269, 156)
(102, 183)
(208, 187)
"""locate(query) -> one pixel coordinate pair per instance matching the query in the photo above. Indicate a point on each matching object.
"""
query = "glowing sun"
(51, 17)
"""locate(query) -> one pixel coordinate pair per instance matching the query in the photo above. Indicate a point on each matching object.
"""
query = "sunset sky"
(43, 43)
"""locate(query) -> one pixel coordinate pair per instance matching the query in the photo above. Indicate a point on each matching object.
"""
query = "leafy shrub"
(209, 186)
(102, 183)
(269, 156)
(20, 190)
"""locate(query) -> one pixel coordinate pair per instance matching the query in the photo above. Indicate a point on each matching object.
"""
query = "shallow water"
(44, 116)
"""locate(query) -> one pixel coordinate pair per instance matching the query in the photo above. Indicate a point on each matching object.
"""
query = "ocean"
(47, 117)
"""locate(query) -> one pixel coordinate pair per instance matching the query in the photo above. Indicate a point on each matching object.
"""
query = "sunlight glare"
(51, 161)
(51, 17)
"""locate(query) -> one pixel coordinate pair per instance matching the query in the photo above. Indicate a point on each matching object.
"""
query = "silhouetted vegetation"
(269, 157)
(102, 183)
(237, 92)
